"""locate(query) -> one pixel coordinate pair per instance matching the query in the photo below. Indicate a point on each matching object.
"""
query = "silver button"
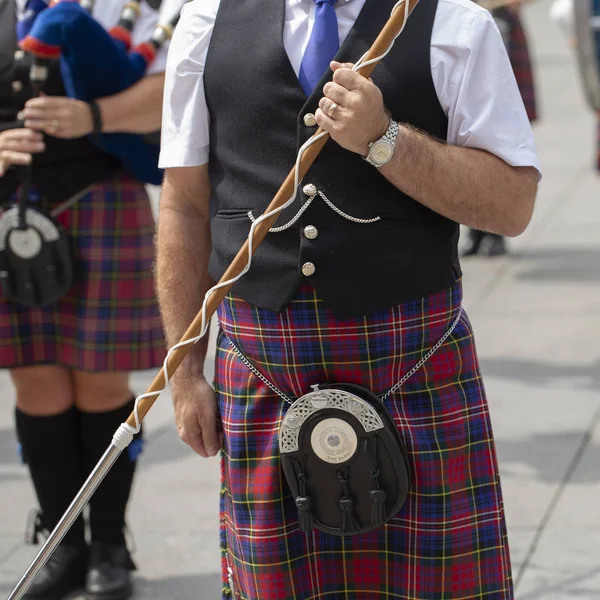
(311, 232)
(17, 86)
(310, 120)
(310, 189)
(19, 55)
(308, 269)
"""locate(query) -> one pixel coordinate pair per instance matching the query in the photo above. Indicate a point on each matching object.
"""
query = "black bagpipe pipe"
(286, 193)
(95, 63)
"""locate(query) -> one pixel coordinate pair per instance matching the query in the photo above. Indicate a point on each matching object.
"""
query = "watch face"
(381, 152)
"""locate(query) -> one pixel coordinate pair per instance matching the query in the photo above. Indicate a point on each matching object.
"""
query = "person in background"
(509, 23)
(70, 361)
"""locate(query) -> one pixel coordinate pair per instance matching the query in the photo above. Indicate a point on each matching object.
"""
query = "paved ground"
(537, 319)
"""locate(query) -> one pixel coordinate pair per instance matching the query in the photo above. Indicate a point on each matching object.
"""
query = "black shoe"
(492, 245)
(109, 574)
(63, 573)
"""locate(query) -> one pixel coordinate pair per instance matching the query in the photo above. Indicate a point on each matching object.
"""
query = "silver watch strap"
(392, 131)
(390, 135)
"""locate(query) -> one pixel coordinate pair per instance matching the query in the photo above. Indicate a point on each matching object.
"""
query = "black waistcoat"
(257, 110)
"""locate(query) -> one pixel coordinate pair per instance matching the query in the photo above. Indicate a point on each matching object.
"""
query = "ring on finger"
(54, 125)
(332, 109)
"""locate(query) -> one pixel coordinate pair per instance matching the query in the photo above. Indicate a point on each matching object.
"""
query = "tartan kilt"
(520, 59)
(109, 320)
(449, 539)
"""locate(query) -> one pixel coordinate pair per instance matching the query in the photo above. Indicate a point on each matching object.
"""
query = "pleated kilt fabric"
(109, 320)
(449, 539)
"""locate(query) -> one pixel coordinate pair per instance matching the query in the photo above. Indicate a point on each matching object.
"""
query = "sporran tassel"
(376, 494)
(349, 522)
(304, 503)
(304, 514)
(377, 498)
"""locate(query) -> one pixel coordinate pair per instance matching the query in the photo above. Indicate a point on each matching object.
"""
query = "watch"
(382, 150)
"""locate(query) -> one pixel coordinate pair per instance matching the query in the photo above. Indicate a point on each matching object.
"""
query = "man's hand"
(352, 110)
(17, 146)
(196, 415)
(60, 117)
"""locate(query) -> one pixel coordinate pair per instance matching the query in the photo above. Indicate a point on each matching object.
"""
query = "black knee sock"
(51, 447)
(108, 504)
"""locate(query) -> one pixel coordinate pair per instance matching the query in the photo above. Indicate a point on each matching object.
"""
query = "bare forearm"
(135, 110)
(466, 185)
(183, 249)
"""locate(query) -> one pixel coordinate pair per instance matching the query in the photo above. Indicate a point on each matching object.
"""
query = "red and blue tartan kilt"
(518, 52)
(109, 320)
(449, 539)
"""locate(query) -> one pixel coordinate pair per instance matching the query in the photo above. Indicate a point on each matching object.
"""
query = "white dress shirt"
(471, 72)
(108, 12)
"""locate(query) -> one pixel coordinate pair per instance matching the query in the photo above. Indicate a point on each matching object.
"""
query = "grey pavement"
(536, 316)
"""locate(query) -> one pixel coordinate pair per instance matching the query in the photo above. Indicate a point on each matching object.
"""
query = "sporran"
(36, 261)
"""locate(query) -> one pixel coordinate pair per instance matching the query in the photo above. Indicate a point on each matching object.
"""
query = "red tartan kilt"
(109, 320)
(449, 539)
(520, 58)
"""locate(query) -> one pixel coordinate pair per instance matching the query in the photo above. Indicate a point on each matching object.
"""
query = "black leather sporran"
(36, 262)
(344, 460)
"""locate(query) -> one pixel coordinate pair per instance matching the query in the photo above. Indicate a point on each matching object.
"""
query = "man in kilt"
(509, 22)
(70, 360)
(355, 289)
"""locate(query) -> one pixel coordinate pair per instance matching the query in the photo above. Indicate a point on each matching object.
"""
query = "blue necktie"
(322, 47)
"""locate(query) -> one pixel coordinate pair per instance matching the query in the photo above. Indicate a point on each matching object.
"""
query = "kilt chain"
(385, 396)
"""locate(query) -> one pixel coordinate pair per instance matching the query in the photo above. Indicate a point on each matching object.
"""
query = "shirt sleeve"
(478, 91)
(185, 123)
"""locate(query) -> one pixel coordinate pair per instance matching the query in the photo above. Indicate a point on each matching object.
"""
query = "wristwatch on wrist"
(381, 151)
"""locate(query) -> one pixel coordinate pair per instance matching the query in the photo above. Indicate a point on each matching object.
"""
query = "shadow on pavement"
(570, 265)
(534, 374)
(8, 448)
(178, 587)
(182, 587)
(546, 453)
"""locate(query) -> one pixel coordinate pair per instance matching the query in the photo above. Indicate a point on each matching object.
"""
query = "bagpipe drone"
(367, 410)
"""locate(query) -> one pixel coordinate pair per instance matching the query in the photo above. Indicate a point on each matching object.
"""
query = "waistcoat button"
(310, 189)
(311, 232)
(308, 269)
(310, 120)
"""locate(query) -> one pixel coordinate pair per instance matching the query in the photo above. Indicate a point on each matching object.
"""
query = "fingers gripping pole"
(239, 266)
